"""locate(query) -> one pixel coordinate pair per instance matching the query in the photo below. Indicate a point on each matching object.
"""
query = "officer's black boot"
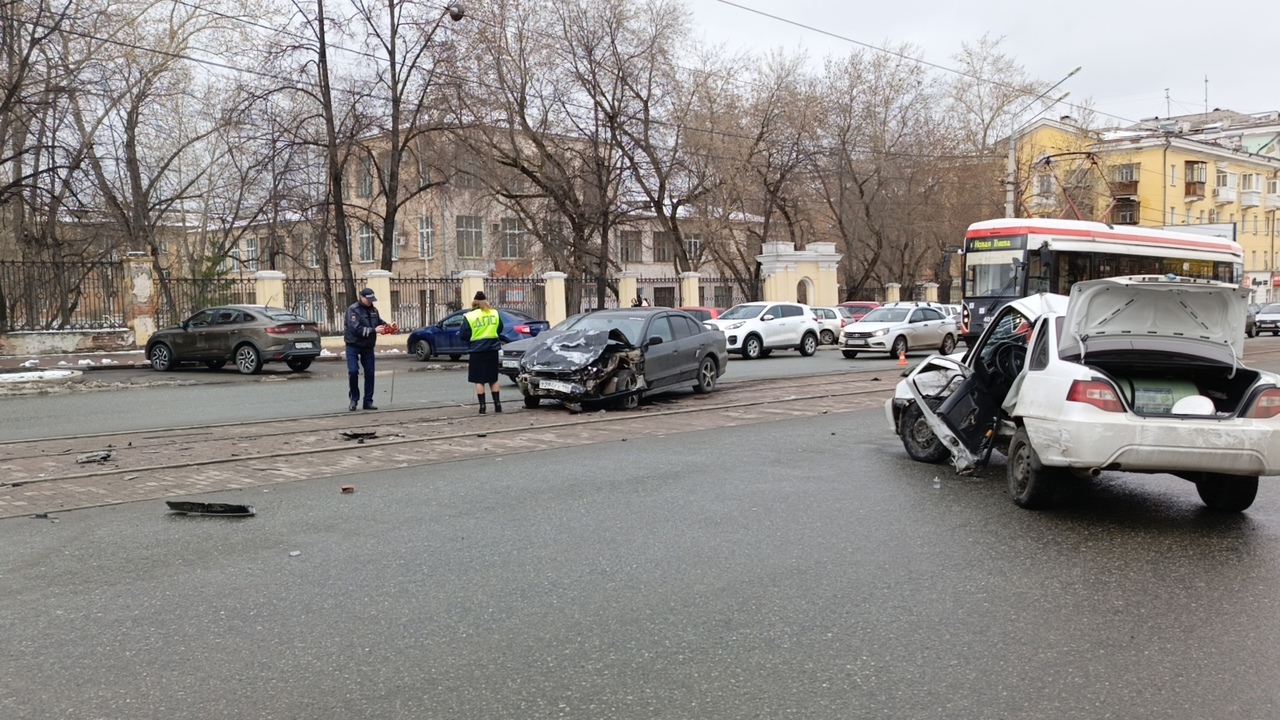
(497, 400)
(353, 389)
(480, 398)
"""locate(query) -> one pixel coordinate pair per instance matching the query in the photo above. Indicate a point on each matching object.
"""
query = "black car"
(618, 356)
(249, 335)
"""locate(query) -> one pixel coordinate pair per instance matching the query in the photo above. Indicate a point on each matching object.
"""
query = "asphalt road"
(193, 396)
(804, 568)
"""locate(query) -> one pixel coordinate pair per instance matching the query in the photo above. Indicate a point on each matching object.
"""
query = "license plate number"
(510, 363)
(303, 345)
(856, 343)
(555, 386)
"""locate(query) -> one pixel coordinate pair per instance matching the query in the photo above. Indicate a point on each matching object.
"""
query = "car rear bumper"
(1237, 446)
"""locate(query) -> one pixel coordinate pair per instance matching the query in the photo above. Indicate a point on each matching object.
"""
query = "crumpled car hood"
(570, 350)
(1204, 315)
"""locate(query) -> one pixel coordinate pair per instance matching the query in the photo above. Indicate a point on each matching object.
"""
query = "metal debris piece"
(94, 457)
(348, 489)
(295, 553)
(359, 435)
(218, 509)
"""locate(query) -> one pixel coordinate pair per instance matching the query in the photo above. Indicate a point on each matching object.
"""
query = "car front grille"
(859, 335)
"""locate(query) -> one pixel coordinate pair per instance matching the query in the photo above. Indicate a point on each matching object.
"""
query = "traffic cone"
(902, 358)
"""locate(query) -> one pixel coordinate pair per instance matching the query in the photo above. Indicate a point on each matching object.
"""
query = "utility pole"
(1011, 169)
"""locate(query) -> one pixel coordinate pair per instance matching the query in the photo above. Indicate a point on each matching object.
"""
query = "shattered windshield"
(630, 325)
(742, 312)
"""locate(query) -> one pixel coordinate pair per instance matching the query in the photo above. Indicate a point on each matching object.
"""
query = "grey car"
(618, 356)
(248, 335)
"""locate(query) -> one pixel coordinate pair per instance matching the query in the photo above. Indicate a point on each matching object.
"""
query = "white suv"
(755, 329)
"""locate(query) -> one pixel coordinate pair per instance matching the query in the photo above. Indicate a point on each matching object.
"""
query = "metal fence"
(528, 295)
(727, 292)
(180, 298)
(580, 296)
(62, 295)
(418, 302)
(320, 300)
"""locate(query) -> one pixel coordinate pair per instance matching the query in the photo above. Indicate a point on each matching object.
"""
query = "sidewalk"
(332, 351)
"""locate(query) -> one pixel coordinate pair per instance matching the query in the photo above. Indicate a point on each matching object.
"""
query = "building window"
(1249, 181)
(662, 250)
(470, 237)
(632, 250)
(1200, 218)
(313, 253)
(1253, 261)
(366, 243)
(1044, 184)
(251, 253)
(233, 260)
(466, 179)
(1125, 212)
(1173, 216)
(1126, 173)
(514, 242)
(1173, 175)
(364, 178)
(1255, 223)
(426, 238)
(395, 248)
(1196, 172)
(1213, 216)
(693, 246)
(1273, 187)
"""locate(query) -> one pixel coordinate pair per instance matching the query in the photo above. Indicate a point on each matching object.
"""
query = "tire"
(422, 350)
(1275, 333)
(532, 401)
(899, 346)
(809, 345)
(215, 364)
(948, 345)
(627, 381)
(298, 364)
(752, 348)
(851, 354)
(706, 377)
(161, 357)
(828, 337)
(1228, 493)
(455, 357)
(248, 360)
(918, 438)
(1032, 485)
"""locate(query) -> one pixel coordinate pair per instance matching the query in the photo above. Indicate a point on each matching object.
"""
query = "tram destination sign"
(995, 243)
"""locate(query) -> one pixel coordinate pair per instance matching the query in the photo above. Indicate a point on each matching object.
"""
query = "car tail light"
(843, 322)
(1096, 393)
(1266, 406)
(283, 329)
(524, 330)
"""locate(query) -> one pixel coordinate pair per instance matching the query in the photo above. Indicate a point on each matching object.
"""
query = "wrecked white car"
(618, 356)
(1137, 374)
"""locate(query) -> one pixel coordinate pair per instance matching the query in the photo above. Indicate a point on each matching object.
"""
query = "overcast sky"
(1130, 52)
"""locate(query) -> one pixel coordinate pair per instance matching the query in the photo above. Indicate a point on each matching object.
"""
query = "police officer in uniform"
(362, 328)
(483, 329)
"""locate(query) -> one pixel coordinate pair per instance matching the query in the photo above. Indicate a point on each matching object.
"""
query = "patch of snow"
(30, 363)
(62, 362)
(36, 376)
(327, 353)
(86, 361)
(109, 361)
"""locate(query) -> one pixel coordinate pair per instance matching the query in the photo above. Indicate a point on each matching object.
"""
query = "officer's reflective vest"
(484, 324)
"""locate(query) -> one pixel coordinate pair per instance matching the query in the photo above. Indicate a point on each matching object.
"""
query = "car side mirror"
(654, 340)
(185, 325)
(767, 318)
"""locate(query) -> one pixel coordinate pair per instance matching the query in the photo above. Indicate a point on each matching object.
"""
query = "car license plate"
(555, 386)
(856, 343)
(510, 363)
(303, 345)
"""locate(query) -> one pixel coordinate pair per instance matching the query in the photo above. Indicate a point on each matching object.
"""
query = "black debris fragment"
(218, 509)
(94, 457)
(359, 435)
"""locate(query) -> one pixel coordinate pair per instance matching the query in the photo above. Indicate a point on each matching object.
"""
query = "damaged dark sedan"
(615, 357)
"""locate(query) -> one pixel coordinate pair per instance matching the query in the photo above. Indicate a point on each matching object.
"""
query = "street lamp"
(1011, 177)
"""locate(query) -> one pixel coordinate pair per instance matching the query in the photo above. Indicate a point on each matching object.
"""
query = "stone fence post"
(689, 285)
(268, 288)
(554, 296)
(472, 283)
(379, 281)
(140, 313)
(892, 292)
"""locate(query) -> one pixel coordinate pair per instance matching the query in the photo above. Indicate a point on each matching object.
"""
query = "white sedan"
(898, 330)
(1138, 374)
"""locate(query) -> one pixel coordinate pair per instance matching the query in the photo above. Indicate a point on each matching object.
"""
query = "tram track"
(42, 475)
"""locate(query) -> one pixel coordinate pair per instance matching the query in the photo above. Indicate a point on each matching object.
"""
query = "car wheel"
(532, 401)
(751, 348)
(1275, 333)
(828, 337)
(851, 354)
(948, 345)
(215, 364)
(1229, 493)
(809, 345)
(706, 377)
(918, 438)
(899, 346)
(162, 357)
(627, 383)
(248, 360)
(422, 350)
(1032, 485)
(455, 357)
(298, 364)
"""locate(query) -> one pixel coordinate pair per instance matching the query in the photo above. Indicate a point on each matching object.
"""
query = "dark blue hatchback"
(444, 338)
